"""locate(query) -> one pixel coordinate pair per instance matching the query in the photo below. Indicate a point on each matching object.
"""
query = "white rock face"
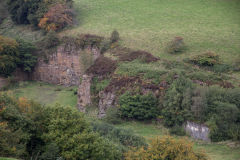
(197, 131)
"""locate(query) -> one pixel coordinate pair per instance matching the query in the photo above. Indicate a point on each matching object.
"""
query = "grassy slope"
(149, 24)
(46, 94)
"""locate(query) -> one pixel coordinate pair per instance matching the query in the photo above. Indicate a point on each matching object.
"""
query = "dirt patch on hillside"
(102, 66)
(123, 84)
(144, 56)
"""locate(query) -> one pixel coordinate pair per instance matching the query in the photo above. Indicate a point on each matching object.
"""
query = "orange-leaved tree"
(57, 17)
(166, 148)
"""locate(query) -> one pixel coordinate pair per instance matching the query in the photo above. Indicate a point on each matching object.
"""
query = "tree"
(140, 107)
(8, 55)
(177, 103)
(27, 56)
(166, 148)
(57, 17)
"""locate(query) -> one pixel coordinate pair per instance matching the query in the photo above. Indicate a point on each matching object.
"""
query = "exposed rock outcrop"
(65, 66)
(197, 131)
(107, 100)
(84, 92)
(119, 85)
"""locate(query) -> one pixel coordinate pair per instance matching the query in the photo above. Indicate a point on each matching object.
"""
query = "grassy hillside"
(46, 93)
(149, 24)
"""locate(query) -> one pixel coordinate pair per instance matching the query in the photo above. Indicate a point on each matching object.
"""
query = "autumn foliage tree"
(166, 148)
(57, 17)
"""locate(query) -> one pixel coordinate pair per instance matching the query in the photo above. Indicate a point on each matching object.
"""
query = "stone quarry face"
(84, 93)
(64, 67)
(197, 131)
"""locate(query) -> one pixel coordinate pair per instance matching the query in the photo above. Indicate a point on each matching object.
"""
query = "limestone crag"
(197, 131)
(84, 92)
(107, 100)
(63, 67)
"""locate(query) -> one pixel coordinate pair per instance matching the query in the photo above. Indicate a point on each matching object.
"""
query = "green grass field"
(149, 24)
(46, 94)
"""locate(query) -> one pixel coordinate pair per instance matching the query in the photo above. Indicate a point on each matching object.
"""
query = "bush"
(87, 40)
(177, 130)
(3, 11)
(222, 68)
(51, 40)
(105, 45)
(166, 148)
(177, 102)
(114, 36)
(140, 107)
(27, 55)
(9, 55)
(120, 136)
(113, 116)
(177, 45)
(207, 59)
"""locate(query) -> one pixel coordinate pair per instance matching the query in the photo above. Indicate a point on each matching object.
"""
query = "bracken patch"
(102, 66)
(145, 56)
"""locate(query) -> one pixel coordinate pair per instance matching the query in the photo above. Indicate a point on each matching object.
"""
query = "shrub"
(124, 137)
(177, 45)
(51, 40)
(113, 116)
(167, 148)
(207, 59)
(178, 130)
(177, 102)
(57, 17)
(105, 45)
(114, 36)
(224, 122)
(9, 55)
(140, 107)
(27, 55)
(87, 40)
(222, 68)
(3, 11)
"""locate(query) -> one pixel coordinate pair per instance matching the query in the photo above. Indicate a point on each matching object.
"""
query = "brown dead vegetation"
(123, 84)
(102, 66)
(144, 56)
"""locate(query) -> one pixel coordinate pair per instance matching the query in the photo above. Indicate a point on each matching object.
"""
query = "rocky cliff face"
(64, 67)
(107, 100)
(84, 92)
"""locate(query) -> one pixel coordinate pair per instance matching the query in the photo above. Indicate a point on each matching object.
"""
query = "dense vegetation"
(29, 130)
(167, 148)
(16, 53)
(49, 15)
